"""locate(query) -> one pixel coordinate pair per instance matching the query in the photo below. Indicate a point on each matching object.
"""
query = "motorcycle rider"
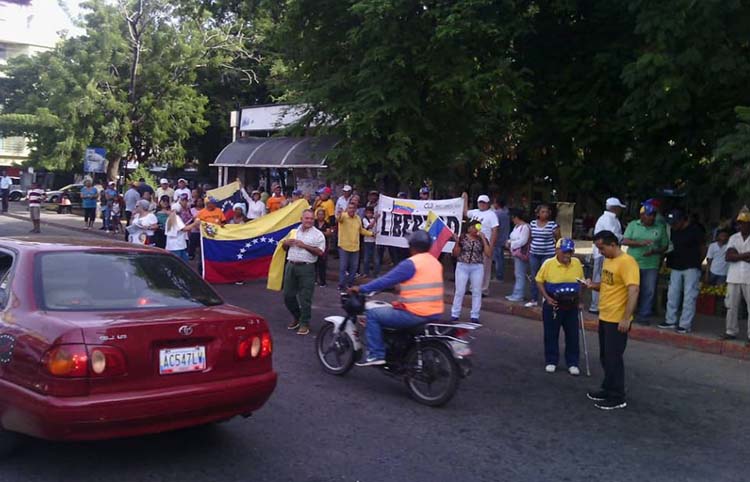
(421, 300)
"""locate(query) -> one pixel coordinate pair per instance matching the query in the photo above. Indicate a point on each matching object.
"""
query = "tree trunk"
(113, 168)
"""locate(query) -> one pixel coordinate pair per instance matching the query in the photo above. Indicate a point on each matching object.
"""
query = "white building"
(26, 28)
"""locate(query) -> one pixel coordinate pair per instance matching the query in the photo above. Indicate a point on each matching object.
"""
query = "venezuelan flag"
(239, 252)
(226, 197)
(438, 231)
(402, 207)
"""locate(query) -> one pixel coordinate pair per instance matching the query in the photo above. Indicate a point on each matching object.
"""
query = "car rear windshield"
(93, 281)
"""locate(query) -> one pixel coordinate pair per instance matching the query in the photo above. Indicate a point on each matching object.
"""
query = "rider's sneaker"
(371, 361)
(475, 320)
(293, 325)
(303, 330)
(454, 318)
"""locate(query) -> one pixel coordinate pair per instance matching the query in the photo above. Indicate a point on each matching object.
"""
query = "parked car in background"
(16, 193)
(139, 344)
(74, 193)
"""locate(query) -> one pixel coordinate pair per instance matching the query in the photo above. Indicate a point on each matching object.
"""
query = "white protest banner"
(401, 217)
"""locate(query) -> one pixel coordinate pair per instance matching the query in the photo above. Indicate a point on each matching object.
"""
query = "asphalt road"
(509, 421)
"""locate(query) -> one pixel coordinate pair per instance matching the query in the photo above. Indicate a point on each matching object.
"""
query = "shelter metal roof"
(275, 152)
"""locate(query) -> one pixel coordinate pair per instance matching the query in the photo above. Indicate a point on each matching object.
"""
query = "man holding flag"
(303, 247)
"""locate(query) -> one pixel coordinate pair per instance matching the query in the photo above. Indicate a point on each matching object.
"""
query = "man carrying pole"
(557, 280)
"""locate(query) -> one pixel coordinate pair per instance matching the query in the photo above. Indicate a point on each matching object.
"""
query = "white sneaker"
(550, 368)
(531, 304)
(574, 371)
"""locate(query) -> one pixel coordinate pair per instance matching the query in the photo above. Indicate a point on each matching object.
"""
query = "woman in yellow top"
(557, 280)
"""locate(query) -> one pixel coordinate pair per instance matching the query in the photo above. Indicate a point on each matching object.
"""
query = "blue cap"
(424, 190)
(648, 209)
(297, 192)
(566, 245)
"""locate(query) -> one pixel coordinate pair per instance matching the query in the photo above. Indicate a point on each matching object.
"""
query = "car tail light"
(266, 346)
(107, 361)
(253, 346)
(460, 332)
(67, 361)
(74, 361)
(243, 348)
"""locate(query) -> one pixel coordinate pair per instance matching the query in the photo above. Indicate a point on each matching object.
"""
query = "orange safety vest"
(423, 293)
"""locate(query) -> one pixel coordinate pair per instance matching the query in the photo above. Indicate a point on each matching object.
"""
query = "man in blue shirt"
(89, 195)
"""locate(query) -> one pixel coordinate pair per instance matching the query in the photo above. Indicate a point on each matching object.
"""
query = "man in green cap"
(647, 242)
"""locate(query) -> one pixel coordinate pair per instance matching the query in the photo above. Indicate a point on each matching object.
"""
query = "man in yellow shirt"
(618, 298)
(557, 280)
(350, 228)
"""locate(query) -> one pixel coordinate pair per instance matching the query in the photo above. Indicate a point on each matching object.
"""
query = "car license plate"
(181, 360)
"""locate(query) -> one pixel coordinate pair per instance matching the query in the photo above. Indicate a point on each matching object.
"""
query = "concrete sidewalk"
(704, 338)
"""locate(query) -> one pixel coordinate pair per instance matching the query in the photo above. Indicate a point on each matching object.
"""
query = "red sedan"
(103, 340)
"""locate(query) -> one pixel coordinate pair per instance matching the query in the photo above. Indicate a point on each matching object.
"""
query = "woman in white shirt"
(142, 224)
(255, 207)
(518, 244)
(177, 236)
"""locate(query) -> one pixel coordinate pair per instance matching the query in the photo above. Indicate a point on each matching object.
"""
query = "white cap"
(346, 188)
(163, 181)
(613, 201)
(182, 179)
(483, 199)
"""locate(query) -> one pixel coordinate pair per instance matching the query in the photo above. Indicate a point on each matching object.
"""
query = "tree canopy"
(127, 85)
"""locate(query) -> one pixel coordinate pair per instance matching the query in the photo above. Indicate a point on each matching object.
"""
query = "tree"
(126, 85)
(690, 73)
(414, 89)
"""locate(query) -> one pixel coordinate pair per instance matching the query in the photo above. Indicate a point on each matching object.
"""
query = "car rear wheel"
(15, 196)
(8, 442)
(52, 200)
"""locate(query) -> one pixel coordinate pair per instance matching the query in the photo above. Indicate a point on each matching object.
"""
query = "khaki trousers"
(735, 293)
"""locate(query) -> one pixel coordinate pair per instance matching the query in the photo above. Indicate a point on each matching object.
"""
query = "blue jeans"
(465, 273)
(391, 318)
(683, 290)
(535, 262)
(646, 293)
(106, 219)
(498, 257)
(520, 270)
(553, 320)
(348, 263)
(369, 255)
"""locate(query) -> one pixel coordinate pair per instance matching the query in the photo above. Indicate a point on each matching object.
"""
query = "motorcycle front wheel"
(436, 382)
(335, 351)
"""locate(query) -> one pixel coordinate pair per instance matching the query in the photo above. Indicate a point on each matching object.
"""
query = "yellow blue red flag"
(438, 231)
(226, 196)
(239, 252)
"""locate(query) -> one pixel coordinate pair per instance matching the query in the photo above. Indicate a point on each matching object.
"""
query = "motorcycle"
(430, 358)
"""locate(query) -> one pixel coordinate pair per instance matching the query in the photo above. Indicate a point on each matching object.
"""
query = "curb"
(61, 225)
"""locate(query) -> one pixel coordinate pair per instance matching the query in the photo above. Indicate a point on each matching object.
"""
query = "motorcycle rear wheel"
(436, 383)
(335, 351)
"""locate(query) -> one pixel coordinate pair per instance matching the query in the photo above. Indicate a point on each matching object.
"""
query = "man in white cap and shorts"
(608, 221)
(489, 222)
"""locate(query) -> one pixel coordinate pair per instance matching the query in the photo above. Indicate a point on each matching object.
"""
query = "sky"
(39, 22)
